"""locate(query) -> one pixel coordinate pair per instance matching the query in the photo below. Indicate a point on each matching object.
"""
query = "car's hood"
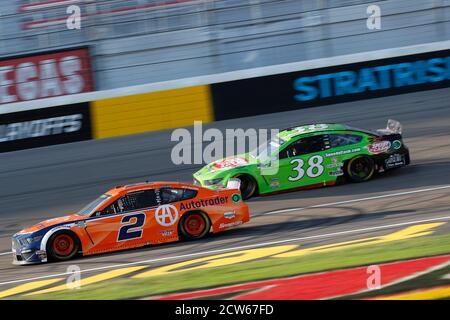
(51, 222)
(232, 162)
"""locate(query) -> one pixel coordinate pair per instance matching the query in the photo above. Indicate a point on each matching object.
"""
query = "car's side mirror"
(273, 161)
(268, 163)
(234, 183)
(269, 167)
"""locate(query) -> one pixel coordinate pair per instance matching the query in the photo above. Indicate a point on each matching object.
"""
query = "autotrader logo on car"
(204, 203)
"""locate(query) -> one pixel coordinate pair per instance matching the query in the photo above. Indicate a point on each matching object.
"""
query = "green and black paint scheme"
(310, 156)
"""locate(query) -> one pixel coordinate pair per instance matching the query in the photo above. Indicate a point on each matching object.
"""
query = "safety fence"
(135, 42)
(172, 104)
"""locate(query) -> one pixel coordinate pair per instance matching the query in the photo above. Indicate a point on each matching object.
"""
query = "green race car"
(310, 156)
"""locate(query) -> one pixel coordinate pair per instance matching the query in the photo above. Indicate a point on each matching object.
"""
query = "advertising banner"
(329, 85)
(44, 127)
(45, 75)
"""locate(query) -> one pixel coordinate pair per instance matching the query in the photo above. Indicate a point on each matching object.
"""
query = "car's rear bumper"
(395, 159)
(231, 219)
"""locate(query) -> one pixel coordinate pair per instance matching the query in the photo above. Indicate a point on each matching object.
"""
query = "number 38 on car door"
(302, 163)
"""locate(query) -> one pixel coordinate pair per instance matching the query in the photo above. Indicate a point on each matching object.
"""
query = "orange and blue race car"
(133, 216)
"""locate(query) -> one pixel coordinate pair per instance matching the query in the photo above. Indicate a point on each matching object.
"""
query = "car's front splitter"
(28, 257)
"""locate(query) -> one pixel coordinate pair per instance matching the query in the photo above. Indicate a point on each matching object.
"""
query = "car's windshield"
(91, 207)
(266, 150)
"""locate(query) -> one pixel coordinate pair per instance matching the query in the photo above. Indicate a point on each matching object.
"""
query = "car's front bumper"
(22, 257)
(23, 253)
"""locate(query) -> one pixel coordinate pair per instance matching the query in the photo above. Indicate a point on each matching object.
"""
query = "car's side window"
(169, 195)
(284, 153)
(342, 140)
(189, 194)
(303, 146)
(132, 201)
(111, 209)
(140, 200)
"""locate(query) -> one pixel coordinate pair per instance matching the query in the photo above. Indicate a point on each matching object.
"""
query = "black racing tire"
(194, 225)
(360, 169)
(62, 246)
(249, 186)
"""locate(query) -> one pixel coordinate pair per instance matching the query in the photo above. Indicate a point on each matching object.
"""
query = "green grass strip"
(268, 268)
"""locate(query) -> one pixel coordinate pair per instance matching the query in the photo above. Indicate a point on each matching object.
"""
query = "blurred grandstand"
(142, 41)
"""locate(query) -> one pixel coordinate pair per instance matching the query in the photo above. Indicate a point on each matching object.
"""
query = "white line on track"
(337, 203)
(234, 249)
(358, 200)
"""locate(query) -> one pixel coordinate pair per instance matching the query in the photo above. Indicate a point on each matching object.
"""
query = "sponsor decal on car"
(229, 225)
(236, 198)
(166, 233)
(229, 215)
(335, 164)
(336, 173)
(230, 163)
(81, 224)
(395, 160)
(274, 183)
(203, 203)
(379, 147)
(340, 153)
(166, 215)
(397, 144)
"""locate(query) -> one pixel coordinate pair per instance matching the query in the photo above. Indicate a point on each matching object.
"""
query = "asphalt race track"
(43, 183)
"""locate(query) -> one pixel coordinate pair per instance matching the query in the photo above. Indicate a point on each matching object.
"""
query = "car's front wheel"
(62, 246)
(360, 168)
(248, 186)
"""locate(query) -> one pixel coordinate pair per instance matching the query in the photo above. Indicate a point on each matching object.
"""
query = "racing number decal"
(132, 229)
(314, 163)
(298, 168)
(314, 170)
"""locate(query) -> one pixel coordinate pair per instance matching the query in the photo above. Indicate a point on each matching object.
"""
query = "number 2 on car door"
(132, 227)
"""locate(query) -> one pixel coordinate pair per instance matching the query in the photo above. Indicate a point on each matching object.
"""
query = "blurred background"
(135, 42)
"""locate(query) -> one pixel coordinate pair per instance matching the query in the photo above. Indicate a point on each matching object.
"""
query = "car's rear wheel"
(62, 245)
(194, 225)
(248, 186)
(360, 168)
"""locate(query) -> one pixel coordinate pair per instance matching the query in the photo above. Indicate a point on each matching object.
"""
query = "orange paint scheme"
(99, 232)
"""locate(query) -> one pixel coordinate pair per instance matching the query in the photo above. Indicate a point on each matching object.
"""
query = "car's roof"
(146, 185)
(295, 131)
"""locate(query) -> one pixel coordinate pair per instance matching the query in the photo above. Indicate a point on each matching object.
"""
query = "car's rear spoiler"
(393, 127)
